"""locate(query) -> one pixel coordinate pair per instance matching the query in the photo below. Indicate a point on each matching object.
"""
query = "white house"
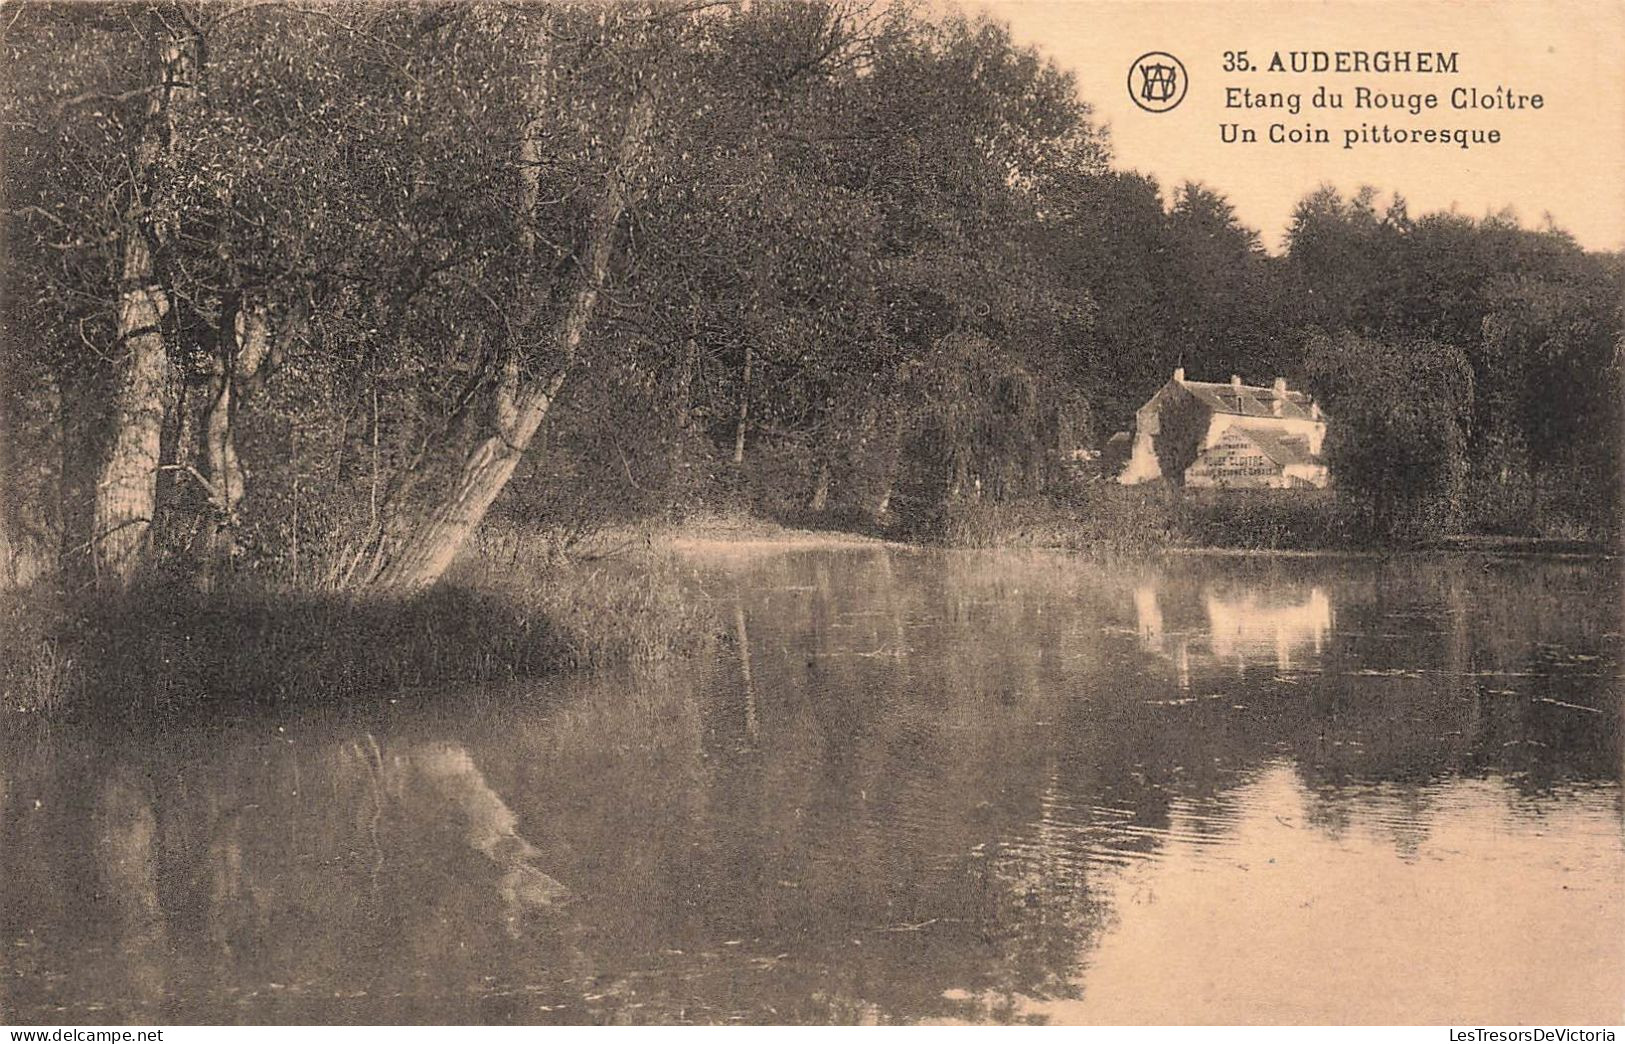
(1244, 436)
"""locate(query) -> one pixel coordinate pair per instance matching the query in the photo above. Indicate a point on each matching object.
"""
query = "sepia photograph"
(996, 513)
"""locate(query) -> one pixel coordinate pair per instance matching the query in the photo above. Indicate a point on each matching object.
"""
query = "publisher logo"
(1156, 81)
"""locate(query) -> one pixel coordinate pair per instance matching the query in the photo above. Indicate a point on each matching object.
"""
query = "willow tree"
(1398, 447)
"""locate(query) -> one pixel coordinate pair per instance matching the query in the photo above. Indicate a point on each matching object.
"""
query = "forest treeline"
(305, 291)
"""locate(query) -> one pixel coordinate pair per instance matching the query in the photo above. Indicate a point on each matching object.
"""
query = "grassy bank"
(1144, 519)
(1116, 519)
(509, 610)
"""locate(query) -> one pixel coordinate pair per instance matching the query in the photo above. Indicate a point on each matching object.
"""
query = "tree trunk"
(683, 433)
(245, 350)
(79, 463)
(521, 405)
(11, 492)
(127, 492)
(891, 463)
(683, 394)
(819, 502)
(744, 410)
(429, 549)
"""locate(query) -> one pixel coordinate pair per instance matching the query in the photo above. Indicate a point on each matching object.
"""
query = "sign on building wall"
(1234, 460)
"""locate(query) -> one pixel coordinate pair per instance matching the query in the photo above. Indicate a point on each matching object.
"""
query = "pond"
(902, 786)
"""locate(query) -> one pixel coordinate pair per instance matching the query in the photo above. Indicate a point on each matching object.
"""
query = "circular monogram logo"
(1156, 81)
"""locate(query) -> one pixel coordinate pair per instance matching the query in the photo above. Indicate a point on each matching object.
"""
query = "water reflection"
(1241, 626)
(903, 787)
(1270, 917)
(1250, 623)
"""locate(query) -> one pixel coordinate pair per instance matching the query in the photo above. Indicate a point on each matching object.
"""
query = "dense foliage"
(1399, 447)
(291, 288)
(1486, 353)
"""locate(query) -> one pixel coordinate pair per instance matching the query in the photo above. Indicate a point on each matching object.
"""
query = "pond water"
(903, 786)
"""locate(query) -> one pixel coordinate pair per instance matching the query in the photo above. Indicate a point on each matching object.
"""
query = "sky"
(1566, 159)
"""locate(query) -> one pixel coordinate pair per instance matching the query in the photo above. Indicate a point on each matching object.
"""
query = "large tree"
(1396, 443)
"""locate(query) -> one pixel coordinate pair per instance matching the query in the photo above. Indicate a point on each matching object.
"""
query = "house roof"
(1284, 450)
(1247, 400)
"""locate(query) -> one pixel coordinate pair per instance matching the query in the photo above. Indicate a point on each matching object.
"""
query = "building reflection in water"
(919, 787)
(1245, 628)
(1249, 626)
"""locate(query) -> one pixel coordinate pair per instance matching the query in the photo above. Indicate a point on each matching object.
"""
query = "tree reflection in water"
(912, 786)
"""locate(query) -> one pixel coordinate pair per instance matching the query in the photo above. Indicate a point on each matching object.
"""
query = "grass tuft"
(164, 650)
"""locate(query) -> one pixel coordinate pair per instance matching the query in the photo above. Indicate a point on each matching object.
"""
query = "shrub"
(1265, 520)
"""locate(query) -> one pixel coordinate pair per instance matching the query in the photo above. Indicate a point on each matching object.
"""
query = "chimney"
(1235, 382)
(1280, 395)
(1314, 410)
(1179, 373)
